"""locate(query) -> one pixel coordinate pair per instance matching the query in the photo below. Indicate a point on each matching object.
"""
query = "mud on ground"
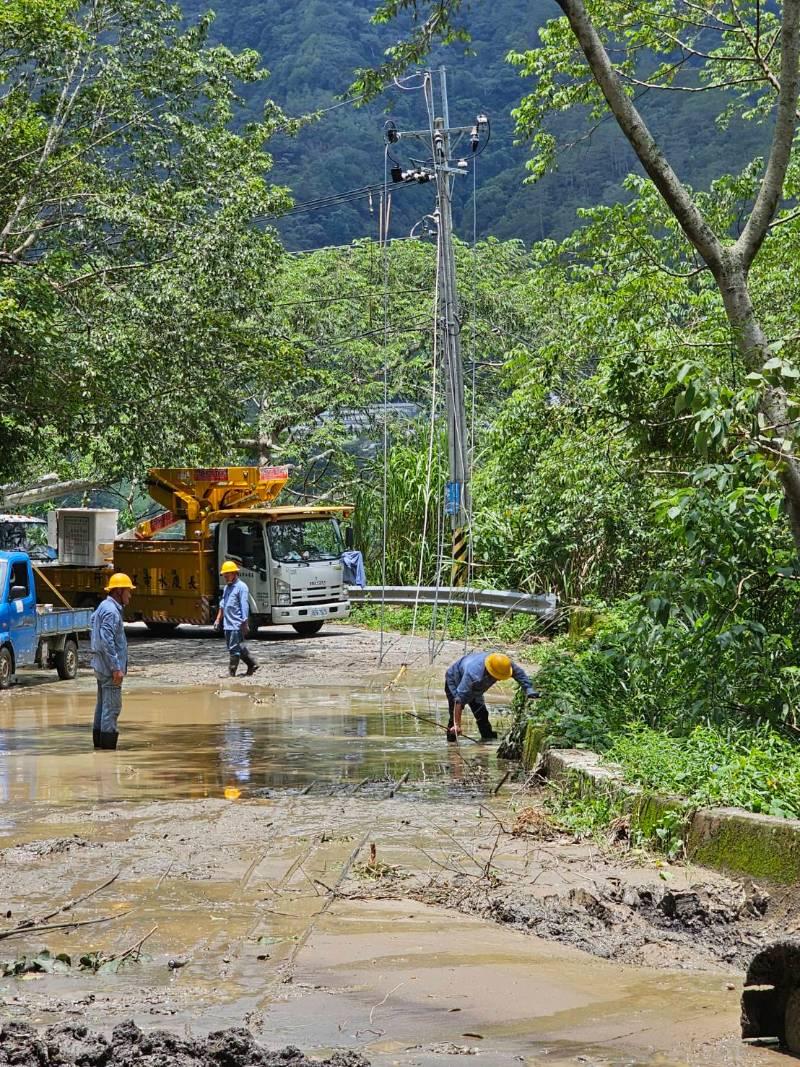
(601, 898)
(71, 1043)
(337, 655)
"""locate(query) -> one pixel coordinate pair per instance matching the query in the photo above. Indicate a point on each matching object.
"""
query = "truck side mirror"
(18, 592)
(348, 537)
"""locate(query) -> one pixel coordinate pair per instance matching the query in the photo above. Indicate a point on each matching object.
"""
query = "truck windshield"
(305, 541)
(3, 572)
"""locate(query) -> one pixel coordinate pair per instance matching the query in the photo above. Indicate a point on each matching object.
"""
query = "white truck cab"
(25, 533)
(291, 566)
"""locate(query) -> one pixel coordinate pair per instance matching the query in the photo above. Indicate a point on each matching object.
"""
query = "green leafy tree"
(356, 329)
(129, 262)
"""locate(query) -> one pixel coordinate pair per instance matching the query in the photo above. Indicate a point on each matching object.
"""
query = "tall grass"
(413, 504)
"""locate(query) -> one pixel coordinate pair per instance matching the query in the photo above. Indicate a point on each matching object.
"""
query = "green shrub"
(756, 769)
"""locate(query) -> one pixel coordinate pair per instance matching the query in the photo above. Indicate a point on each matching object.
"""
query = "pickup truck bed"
(30, 633)
(63, 621)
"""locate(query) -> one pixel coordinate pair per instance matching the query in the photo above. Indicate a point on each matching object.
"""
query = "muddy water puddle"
(191, 743)
(256, 898)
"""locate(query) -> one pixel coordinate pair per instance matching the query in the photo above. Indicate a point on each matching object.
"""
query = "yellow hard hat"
(229, 567)
(119, 581)
(499, 666)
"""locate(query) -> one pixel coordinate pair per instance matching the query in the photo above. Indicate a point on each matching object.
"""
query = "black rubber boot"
(484, 726)
(249, 662)
(108, 740)
(96, 735)
(233, 663)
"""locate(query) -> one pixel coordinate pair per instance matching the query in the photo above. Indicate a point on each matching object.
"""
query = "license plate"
(318, 613)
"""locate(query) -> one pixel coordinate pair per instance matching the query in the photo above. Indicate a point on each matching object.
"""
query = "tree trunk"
(265, 444)
(46, 489)
(754, 347)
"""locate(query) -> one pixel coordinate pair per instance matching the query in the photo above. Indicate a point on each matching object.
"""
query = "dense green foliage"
(447, 620)
(130, 271)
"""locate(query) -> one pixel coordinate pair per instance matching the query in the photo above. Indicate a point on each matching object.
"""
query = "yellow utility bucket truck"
(289, 557)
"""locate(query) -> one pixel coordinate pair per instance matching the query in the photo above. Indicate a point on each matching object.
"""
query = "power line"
(324, 202)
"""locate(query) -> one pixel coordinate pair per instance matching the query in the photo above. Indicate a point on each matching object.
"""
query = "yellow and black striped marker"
(460, 555)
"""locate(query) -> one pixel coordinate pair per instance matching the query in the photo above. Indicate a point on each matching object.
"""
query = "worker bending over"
(234, 610)
(110, 659)
(466, 681)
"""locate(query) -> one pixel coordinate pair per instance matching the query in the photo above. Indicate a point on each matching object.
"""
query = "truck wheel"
(6, 668)
(307, 629)
(67, 660)
(161, 629)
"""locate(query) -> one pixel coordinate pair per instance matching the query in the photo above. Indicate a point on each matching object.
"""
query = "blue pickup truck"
(31, 634)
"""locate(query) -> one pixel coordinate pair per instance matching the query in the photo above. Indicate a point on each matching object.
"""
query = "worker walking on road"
(110, 659)
(234, 610)
(466, 681)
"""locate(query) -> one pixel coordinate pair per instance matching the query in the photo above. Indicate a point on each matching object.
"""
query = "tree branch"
(632, 124)
(47, 488)
(101, 272)
(710, 87)
(769, 194)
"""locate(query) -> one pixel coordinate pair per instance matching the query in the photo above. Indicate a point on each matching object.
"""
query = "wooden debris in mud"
(501, 783)
(531, 822)
(397, 786)
(331, 896)
(376, 869)
(18, 931)
(39, 920)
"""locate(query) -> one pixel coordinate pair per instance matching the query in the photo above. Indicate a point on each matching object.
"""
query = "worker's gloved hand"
(116, 677)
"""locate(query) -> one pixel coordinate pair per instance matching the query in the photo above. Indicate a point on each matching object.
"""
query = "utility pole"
(458, 497)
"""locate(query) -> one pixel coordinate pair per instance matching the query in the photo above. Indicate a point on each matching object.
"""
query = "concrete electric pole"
(458, 500)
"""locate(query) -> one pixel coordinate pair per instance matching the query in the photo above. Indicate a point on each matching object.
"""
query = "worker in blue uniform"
(110, 659)
(233, 614)
(466, 681)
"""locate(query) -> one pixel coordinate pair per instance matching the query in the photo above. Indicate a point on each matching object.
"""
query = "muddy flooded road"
(317, 864)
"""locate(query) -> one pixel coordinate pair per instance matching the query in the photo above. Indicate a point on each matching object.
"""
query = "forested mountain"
(312, 48)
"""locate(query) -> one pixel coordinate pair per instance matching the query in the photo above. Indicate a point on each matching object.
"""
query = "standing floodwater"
(190, 743)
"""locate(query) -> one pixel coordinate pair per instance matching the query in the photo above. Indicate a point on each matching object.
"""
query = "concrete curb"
(726, 839)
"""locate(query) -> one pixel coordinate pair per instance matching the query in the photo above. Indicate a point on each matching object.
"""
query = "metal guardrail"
(545, 605)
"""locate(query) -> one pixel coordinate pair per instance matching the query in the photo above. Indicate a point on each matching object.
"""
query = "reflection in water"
(197, 742)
